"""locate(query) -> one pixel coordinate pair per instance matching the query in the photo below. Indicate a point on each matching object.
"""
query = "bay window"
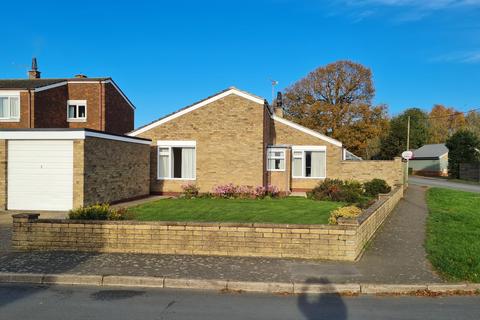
(309, 162)
(275, 159)
(176, 160)
(10, 107)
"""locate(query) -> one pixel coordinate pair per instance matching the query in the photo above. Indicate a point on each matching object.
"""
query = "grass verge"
(453, 233)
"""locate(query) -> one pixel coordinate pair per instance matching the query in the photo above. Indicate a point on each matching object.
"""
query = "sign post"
(407, 155)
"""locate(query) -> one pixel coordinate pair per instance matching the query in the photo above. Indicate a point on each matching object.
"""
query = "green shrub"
(98, 212)
(350, 191)
(344, 212)
(376, 186)
(329, 189)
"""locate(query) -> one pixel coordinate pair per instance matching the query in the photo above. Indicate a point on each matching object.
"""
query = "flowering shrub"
(345, 212)
(230, 191)
(190, 190)
(98, 212)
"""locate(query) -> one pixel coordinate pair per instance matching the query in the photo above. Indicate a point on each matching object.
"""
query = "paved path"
(396, 255)
(443, 183)
(64, 302)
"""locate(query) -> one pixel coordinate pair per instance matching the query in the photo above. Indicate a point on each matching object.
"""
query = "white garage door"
(40, 174)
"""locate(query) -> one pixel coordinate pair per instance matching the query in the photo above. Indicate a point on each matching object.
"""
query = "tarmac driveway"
(443, 183)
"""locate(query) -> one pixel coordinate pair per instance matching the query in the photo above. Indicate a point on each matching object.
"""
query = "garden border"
(344, 241)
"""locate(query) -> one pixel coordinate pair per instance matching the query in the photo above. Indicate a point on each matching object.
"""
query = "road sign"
(407, 155)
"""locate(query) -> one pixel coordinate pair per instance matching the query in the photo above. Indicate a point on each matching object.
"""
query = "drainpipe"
(100, 109)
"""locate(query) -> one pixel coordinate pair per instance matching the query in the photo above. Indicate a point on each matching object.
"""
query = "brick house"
(79, 102)
(237, 137)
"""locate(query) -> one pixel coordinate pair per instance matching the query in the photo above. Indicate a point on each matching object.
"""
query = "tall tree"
(473, 122)
(337, 100)
(463, 147)
(443, 122)
(396, 140)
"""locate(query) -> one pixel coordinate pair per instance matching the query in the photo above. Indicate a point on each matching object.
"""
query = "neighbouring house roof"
(222, 94)
(429, 151)
(45, 84)
(38, 83)
(351, 157)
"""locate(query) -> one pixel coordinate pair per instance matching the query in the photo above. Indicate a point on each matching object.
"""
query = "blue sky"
(166, 55)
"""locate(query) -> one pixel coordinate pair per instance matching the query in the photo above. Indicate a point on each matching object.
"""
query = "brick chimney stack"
(278, 106)
(34, 73)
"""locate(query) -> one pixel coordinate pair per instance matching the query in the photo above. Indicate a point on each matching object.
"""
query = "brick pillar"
(21, 229)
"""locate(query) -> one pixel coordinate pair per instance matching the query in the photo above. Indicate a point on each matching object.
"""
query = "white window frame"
(304, 149)
(282, 157)
(77, 103)
(9, 95)
(169, 144)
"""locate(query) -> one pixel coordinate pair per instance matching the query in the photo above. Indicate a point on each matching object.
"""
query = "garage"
(40, 175)
(62, 169)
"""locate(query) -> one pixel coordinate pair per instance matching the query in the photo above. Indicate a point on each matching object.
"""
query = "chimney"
(34, 73)
(82, 76)
(278, 105)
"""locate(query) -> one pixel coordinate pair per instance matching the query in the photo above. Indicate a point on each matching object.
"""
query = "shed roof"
(431, 151)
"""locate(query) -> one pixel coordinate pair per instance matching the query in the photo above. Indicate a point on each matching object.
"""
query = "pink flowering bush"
(190, 190)
(231, 191)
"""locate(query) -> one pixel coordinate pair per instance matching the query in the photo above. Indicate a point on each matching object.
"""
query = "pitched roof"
(38, 83)
(430, 151)
(196, 105)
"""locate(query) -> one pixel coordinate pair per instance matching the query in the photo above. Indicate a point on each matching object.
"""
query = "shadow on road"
(328, 306)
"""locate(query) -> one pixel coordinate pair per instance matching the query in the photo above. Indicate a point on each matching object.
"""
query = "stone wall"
(334, 242)
(114, 170)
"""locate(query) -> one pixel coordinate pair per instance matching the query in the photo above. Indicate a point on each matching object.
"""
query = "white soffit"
(65, 135)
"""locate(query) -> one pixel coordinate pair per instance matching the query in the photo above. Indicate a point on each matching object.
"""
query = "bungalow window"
(309, 162)
(9, 108)
(176, 161)
(275, 159)
(77, 110)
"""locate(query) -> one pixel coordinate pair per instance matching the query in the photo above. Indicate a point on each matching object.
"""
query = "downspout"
(29, 108)
(100, 116)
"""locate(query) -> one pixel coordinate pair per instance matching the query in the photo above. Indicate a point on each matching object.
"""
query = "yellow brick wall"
(345, 241)
(230, 146)
(115, 170)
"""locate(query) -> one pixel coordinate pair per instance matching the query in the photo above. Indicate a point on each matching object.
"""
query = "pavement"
(443, 183)
(394, 261)
(64, 302)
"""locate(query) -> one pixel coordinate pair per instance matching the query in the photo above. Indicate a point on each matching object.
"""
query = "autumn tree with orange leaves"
(337, 101)
(444, 122)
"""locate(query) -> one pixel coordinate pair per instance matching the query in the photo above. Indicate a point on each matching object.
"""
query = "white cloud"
(460, 57)
(410, 9)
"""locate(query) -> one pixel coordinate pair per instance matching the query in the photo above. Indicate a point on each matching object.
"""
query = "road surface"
(443, 183)
(25, 302)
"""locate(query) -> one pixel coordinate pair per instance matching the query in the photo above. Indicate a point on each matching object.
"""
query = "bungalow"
(230, 137)
(237, 137)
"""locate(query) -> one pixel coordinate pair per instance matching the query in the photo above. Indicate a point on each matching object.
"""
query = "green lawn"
(290, 210)
(453, 233)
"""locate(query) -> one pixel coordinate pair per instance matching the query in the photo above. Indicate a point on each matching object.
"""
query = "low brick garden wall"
(344, 241)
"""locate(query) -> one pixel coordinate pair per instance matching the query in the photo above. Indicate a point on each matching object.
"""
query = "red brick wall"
(51, 108)
(24, 114)
(93, 93)
(119, 115)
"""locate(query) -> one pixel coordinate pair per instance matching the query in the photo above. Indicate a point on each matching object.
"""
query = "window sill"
(311, 178)
(9, 120)
(76, 120)
(178, 179)
(274, 170)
